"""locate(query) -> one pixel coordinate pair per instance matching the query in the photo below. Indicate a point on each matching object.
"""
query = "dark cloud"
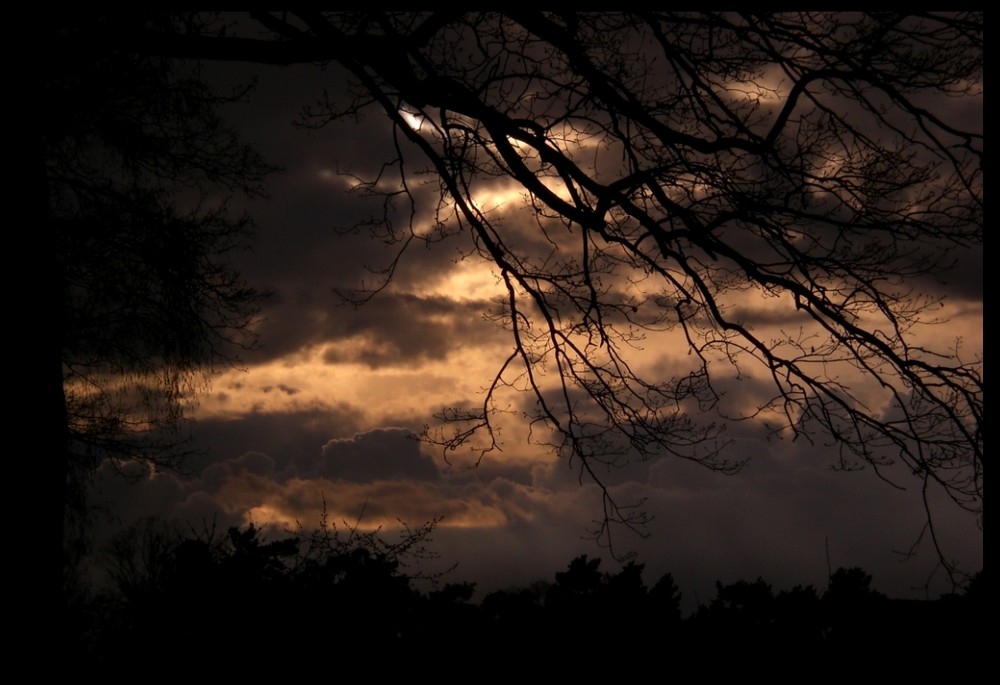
(379, 454)
(215, 476)
(961, 276)
(291, 438)
(394, 329)
(778, 518)
(315, 237)
(400, 329)
(281, 387)
(774, 520)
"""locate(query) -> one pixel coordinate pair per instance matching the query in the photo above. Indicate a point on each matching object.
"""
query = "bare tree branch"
(681, 167)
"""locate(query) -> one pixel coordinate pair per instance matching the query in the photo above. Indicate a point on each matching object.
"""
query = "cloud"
(385, 504)
(379, 454)
(776, 519)
(400, 329)
(281, 387)
(291, 438)
(394, 329)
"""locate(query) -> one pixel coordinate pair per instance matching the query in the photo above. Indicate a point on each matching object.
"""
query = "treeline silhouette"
(170, 597)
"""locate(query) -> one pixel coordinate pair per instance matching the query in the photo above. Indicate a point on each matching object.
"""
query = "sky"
(324, 415)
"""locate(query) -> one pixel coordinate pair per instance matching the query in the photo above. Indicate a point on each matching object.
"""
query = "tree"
(687, 178)
(134, 174)
(296, 592)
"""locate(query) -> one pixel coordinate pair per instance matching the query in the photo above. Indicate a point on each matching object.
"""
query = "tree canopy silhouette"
(300, 593)
(135, 171)
(776, 194)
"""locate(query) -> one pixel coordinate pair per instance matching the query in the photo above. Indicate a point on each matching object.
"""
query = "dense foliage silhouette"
(134, 175)
(308, 593)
